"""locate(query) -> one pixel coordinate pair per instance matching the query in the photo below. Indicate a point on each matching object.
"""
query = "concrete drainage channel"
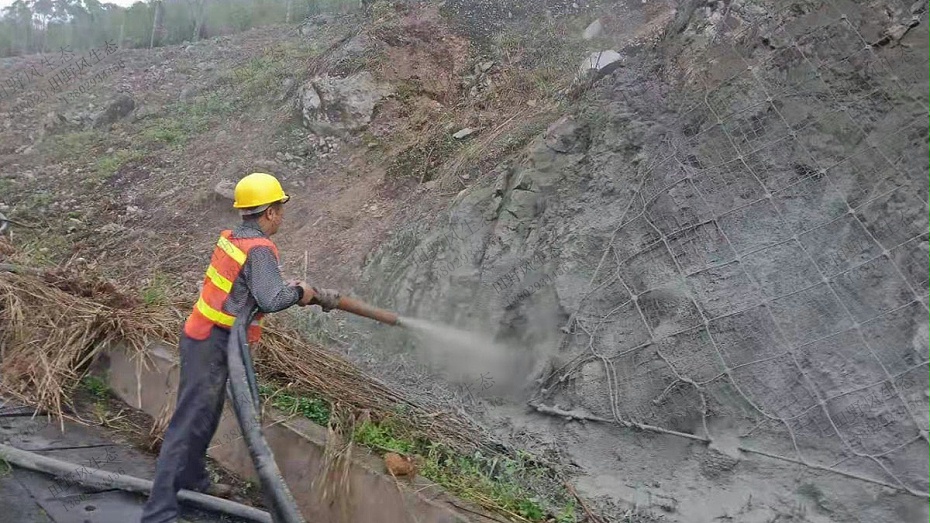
(298, 446)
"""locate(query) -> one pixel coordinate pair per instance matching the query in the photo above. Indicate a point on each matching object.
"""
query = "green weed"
(207, 107)
(568, 514)
(259, 79)
(46, 249)
(111, 164)
(72, 145)
(260, 76)
(492, 482)
(96, 385)
(406, 90)
(314, 409)
(5, 468)
(157, 291)
(167, 131)
(488, 481)
(422, 160)
(381, 436)
(187, 120)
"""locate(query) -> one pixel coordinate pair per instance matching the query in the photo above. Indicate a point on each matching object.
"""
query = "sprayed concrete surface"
(720, 255)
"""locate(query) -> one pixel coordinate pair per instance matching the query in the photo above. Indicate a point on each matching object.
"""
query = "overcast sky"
(126, 3)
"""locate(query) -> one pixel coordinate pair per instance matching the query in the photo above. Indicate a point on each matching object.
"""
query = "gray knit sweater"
(260, 277)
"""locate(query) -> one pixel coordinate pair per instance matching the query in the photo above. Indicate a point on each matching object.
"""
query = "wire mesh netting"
(773, 261)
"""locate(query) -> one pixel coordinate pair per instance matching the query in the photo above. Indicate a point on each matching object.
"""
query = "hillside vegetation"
(49, 26)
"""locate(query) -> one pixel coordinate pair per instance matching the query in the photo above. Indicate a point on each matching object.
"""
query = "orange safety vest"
(228, 258)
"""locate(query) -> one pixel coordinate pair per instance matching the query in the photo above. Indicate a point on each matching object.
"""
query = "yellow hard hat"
(258, 189)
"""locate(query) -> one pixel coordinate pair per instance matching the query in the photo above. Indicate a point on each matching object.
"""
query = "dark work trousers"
(201, 393)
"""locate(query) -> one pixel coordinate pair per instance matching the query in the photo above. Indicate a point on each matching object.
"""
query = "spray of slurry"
(466, 357)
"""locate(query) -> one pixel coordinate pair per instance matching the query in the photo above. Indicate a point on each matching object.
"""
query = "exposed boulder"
(596, 66)
(286, 86)
(464, 133)
(225, 189)
(63, 122)
(599, 64)
(567, 136)
(115, 109)
(111, 228)
(309, 27)
(339, 105)
(188, 93)
(145, 112)
(358, 46)
(479, 83)
(595, 29)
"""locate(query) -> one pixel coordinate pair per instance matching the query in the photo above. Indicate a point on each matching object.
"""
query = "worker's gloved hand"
(308, 295)
(328, 299)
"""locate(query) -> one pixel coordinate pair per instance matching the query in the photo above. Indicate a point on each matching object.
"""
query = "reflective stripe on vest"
(230, 249)
(214, 315)
(220, 317)
(228, 258)
(219, 280)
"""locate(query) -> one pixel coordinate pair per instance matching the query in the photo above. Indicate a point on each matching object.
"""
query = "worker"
(243, 273)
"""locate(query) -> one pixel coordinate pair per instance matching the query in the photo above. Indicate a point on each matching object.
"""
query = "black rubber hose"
(247, 361)
(278, 497)
(107, 480)
(5, 222)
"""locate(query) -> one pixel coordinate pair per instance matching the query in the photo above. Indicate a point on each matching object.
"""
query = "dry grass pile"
(53, 323)
(6, 248)
(308, 369)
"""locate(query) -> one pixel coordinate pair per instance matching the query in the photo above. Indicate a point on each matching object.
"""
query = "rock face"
(332, 105)
(115, 109)
(757, 258)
